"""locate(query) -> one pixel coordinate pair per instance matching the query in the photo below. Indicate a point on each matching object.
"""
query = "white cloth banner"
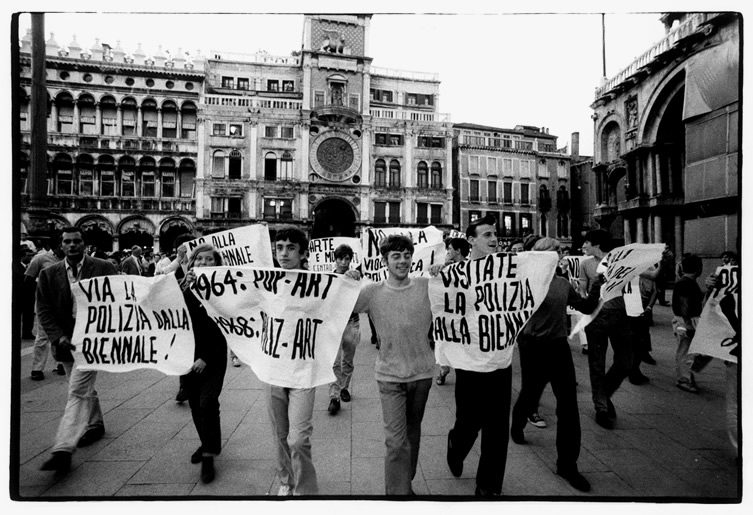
(479, 306)
(718, 331)
(322, 253)
(454, 233)
(285, 324)
(619, 267)
(243, 246)
(570, 266)
(631, 293)
(126, 322)
(428, 243)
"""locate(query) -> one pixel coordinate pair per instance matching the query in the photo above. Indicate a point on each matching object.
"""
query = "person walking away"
(687, 303)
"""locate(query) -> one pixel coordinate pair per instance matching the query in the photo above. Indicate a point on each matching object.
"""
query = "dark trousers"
(482, 403)
(203, 397)
(608, 327)
(640, 326)
(27, 308)
(549, 361)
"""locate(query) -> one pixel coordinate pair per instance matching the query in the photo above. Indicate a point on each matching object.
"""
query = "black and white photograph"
(473, 256)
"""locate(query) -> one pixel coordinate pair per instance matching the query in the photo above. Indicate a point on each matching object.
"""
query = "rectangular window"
(64, 182)
(422, 213)
(542, 171)
(218, 129)
(562, 170)
(473, 216)
(473, 165)
(287, 85)
(380, 139)
(507, 167)
(107, 184)
(525, 221)
(286, 169)
(234, 207)
(147, 185)
(242, 83)
(436, 214)
(287, 132)
(227, 82)
(507, 192)
(127, 185)
(393, 216)
(508, 225)
(387, 212)
(270, 131)
(492, 192)
(525, 168)
(273, 85)
(492, 166)
(168, 185)
(482, 165)
(218, 205)
(516, 166)
(354, 102)
(380, 212)
(318, 98)
(186, 184)
(86, 183)
(474, 191)
(524, 197)
(411, 99)
(278, 209)
(396, 140)
(236, 130)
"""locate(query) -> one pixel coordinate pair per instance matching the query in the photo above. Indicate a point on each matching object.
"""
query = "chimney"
(575, 144)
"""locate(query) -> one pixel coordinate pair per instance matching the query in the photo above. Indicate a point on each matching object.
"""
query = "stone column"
(98, 118)
(679, 244)
(651, 175)
(159, 123)
(76, 117)
(179, 125)
(408, 168)
(657, 173)
(626, 230)
(139, 122)
(53, 117)
(255, 171)
(639, 230)
(657, 229)
(119, 120)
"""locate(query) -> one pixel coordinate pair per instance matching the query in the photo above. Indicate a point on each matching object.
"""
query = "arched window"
(286, 166)
(187, 172)
(169, 120)
(85, 169)
(380, 174)
(545, 201)
(106, 166)
(394, 173)
(436, 175)
(148, 167)
(542, 225)
(218, 164)
(87, 117)
(423, 175)
(562, 226)
(63, 166)
(109, 116)
(188, 120)
(234, 164)
(149, 118)
(167, 177)
(270, 166)
(64, 103)
(127, 170)
(129, 110)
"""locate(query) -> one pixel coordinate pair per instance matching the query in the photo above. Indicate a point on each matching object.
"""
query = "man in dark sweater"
(687, 303)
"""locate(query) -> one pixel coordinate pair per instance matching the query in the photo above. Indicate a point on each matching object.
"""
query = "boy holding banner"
(291, 409)
(399, 307)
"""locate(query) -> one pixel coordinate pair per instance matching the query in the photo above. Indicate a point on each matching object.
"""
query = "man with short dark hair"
(611, 325)
(132, 265)
(343, 367)
(475, 409)
(400, 309)
(82, 422)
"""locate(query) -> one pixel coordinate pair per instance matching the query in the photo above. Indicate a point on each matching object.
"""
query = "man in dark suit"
(82, 422)
(132, 265)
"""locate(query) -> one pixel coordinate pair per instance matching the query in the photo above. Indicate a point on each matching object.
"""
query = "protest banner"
(479, 306)
(454, 233)
(285, 324)
(242, 246)
(126, 322)
(631, 293)
(322, 253)
(428, 243)
(718, 331)
(619, 267)
(570, 266)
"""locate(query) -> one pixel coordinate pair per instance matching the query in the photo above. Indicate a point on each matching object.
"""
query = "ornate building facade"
(142, 147)
(666, 138)
(517, 175)
(122, 142)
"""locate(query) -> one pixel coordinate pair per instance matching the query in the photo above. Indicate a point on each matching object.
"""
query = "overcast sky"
(500, 69)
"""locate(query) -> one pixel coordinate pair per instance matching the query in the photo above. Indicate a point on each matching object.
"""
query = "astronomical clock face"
(335, 156)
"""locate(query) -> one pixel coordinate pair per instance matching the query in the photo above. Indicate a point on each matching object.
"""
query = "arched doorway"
(334, 217)
(97, 232)
(136, 231)
(170, 230)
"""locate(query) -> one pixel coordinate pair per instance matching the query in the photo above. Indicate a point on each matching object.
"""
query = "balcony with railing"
(75, 203)
(690, 26)
(404, 74)
(252, 102)
(258, 57)
(408, 114)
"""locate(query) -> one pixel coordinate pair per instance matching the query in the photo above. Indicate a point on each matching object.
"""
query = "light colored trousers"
(343, 367)
(402, 410)
(82, 411)
(683, 362)
(41, 347)
(291, 411)
(731, 403)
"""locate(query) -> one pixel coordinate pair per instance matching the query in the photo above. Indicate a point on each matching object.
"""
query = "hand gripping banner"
(285, 324)
(718, 331)
(479, 306)
(126, 322)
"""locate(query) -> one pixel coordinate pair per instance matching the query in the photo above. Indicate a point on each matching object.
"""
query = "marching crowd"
(405, 369)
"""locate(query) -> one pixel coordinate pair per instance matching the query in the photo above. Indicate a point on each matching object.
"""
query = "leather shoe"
(59, 462)
(207, 469)
(638, 379)
(37, 375)
(345, 395)
(610, 409)
(453, 461)
(196, 456)
(91, 436)
(483, 492)
(334, 406)
(181, 397)
(575, 479)
(604, 420)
